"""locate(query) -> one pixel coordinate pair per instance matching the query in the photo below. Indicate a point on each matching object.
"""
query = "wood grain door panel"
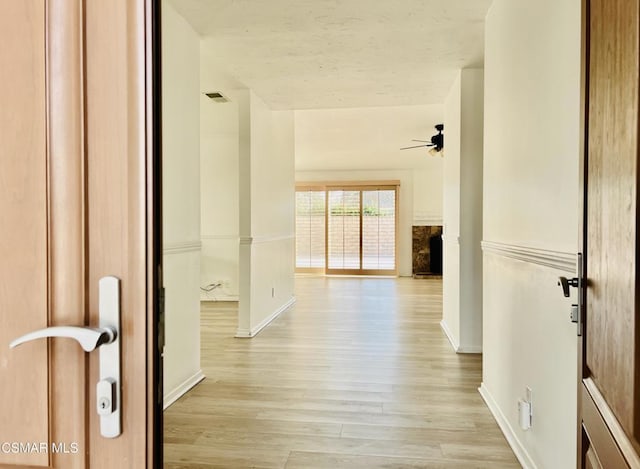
(610, 394)
(78, 191)
(23, 242)
(611, 212)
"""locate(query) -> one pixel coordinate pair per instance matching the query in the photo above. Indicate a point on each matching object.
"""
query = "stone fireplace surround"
(421, 251)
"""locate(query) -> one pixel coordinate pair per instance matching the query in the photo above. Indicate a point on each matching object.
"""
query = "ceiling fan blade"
(424, 141)
(417, 146)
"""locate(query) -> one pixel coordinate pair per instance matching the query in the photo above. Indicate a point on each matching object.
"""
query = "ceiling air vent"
(217, 97)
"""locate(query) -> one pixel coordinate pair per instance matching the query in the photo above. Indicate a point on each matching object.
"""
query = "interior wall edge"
(447, 332)
(244, 333)
(181, 389)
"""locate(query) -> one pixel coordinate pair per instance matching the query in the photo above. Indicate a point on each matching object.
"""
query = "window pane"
(378, 229)
(316, 215)
(344, 229)
(310, 206)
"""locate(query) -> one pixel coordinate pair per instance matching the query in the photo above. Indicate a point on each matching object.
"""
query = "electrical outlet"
(524, 414)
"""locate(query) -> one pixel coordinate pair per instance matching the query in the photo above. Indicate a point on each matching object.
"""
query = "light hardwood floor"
(358, 374)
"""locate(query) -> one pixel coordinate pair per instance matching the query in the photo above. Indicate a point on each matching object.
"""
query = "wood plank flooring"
(358, 374)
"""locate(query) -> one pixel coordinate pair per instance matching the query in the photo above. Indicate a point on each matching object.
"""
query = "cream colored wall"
(451, 214)
(363, 144)
(220, 148)
(471, 162)
(181, 203)
(266, 214)
(462, 256)
(531, 195)
(534, 52)
(219, 194)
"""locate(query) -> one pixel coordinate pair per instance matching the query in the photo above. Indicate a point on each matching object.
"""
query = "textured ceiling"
(305, 54)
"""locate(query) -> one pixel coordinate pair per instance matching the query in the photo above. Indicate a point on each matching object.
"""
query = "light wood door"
(609, 391)
(77, 188)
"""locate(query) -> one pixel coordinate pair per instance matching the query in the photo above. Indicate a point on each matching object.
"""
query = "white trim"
(221, 236)
(470, 349)
(447, 332)
(178, 248)
(451, 239)
(218, 297)
(427, 219)
(565, 261)
(456, 346)
(518, 448)
(247, 334)
(265, 238)
(182, 389)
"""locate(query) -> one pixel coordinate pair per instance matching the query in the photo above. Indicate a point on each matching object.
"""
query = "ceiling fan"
(437, 141)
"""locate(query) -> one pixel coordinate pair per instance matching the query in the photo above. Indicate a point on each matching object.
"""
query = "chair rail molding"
(178, 248)
(262, 239)
(564, 261)
(220, 236)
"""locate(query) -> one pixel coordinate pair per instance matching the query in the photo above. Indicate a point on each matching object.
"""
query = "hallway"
(357, 374)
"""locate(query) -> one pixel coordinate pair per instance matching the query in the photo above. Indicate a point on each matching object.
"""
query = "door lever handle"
(565, 283)
(107, 338)
(88, 338)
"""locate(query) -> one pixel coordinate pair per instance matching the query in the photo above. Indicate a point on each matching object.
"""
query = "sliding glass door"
(357, 235)
(344, 247)
(310, 230)
(379, 230)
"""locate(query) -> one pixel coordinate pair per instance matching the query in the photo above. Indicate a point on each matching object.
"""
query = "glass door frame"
(360, 186)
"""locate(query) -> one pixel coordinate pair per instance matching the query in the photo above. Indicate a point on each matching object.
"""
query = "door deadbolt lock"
(574, 313)
(105, 392)
(106, 337)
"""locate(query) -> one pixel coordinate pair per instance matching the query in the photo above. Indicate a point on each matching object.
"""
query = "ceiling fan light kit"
(436, 142)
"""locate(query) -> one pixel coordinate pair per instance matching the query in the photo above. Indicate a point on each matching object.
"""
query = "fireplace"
(427, 251)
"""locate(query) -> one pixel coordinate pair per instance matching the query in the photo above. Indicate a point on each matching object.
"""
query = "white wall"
(219, 146)
(451, 214)
(462, 256)
(471, 162)
(181, 202)
(364, 143)
(532, 100)
(266, 214)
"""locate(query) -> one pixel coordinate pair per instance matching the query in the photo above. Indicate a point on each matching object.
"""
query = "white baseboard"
(456, 346)
(470, 349)
(521, 453)
(180, 390)
(449, 335)
(222, 297)
(247, 334)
